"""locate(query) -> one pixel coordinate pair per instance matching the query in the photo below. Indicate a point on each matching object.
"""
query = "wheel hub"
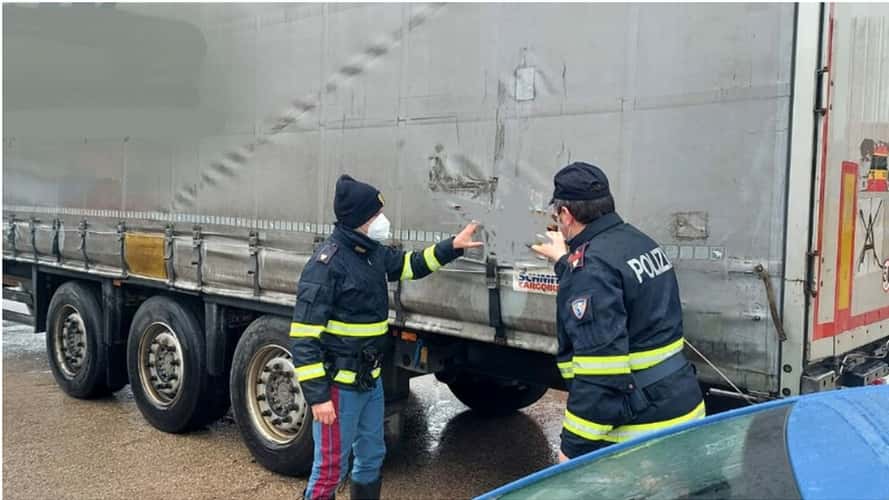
(70, 342)
(277, 403)
(162, 366)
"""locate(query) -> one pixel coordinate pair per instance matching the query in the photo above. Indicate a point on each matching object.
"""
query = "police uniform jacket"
(619, 313)
(342, 305)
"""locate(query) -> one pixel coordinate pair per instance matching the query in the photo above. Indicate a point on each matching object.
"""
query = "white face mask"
(379, 228)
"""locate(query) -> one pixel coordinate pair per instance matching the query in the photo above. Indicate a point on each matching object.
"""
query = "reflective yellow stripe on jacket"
(348, 376)
(594, 365)
(431, 261)
(585, 428)
(646, 359)
(601, 365)
(407, 271)
(619, 365)
(309, 372)
(357, 329)
(628, 432)
(594, 431)
(298, 330)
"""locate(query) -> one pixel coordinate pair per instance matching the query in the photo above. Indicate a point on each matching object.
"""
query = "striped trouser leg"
(333, 444)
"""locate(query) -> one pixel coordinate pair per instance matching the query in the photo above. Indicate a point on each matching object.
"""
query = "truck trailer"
(169, 170)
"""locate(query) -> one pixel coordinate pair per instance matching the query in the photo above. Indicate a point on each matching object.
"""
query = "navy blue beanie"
(355, 202)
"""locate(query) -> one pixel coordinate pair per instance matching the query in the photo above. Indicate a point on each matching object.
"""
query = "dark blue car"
(831, 445)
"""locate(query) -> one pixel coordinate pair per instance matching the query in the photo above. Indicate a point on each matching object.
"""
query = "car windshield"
(739, 457)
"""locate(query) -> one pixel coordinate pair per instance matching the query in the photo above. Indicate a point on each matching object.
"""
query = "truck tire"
(492, 396)
(77, 356)
(274, 419)
(166, 363)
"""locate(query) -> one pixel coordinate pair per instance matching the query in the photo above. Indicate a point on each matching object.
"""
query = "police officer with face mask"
(339, 329)
(619, 321)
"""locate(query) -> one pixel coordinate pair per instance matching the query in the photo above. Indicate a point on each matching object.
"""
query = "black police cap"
(580, 181)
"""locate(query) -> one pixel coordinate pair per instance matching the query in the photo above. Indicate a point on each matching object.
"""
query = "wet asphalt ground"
(57, 447)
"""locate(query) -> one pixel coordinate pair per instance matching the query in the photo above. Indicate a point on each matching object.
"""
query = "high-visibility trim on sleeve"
(585, 428)
(431, 261)
(646, 359)
(566, 368)
(309, 372)
(298, 330)
(601, 365)
(407, 271)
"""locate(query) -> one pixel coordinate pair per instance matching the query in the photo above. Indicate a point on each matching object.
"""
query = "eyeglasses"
(555, 225)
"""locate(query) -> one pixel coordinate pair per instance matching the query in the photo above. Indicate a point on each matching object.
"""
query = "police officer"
(339, 329)
(619, 321)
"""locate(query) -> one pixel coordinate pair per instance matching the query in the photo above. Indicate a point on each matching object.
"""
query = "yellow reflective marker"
(145, 255)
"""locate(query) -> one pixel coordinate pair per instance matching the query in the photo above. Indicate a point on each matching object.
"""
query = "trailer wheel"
(74, 341)
(492, 396)
(166, 363)
(274, 419)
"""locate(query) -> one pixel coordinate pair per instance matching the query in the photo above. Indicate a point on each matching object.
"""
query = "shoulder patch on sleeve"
(579, 307)
(326, 253)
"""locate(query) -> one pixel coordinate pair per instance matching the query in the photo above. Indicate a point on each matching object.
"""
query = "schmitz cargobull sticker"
(542, 283)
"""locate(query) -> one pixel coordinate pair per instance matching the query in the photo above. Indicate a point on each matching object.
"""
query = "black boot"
(369, 491)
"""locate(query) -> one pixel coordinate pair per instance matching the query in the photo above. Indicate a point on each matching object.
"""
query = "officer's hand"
(562, 457)
(553, 250)
(324, 413)
(464, 239)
